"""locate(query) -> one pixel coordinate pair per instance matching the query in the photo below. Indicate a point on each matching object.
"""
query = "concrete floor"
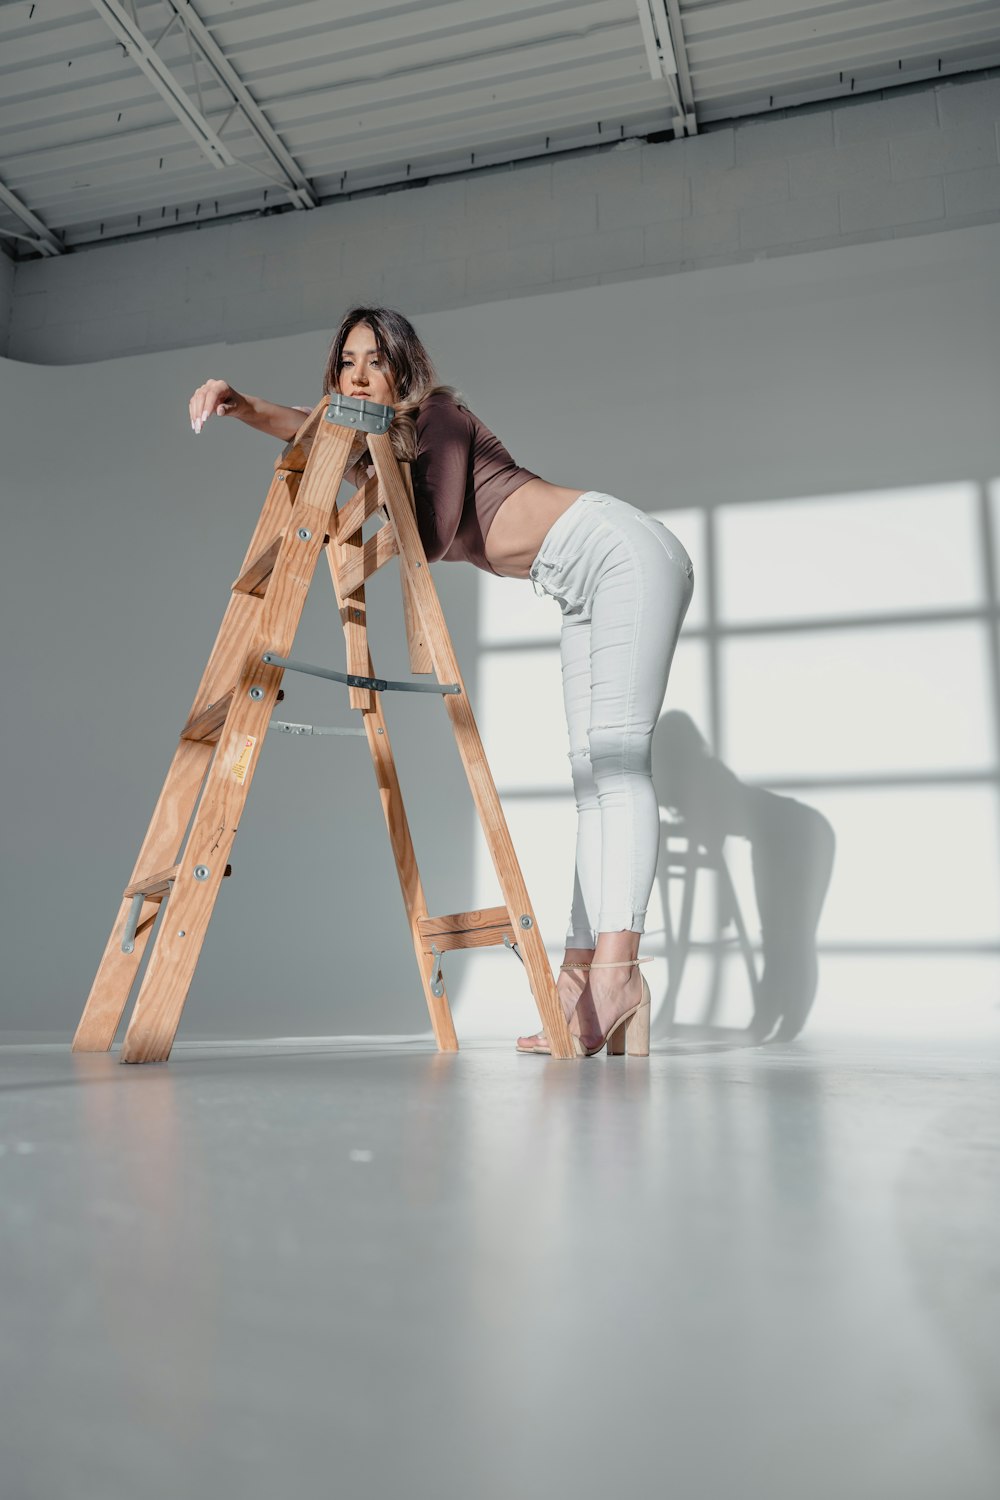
(361, 1269)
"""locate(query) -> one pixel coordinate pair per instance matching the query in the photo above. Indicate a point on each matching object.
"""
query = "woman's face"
(363, 372)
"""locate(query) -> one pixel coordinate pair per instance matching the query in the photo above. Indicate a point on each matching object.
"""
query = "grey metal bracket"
(132, 922)
(284, 728)
(512, 946)
(355, 411)
(437, 978)
(376, 684)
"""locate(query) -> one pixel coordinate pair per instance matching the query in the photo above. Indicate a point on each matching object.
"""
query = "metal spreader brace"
(184, 856)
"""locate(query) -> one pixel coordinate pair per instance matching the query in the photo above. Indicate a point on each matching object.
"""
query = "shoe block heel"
(632, 1034)
(637, 1032)
(616, 1041)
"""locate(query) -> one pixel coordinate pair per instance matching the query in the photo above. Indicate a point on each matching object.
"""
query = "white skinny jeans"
(623, 583)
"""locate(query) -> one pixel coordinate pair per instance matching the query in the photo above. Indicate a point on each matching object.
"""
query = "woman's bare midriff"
(519, 526)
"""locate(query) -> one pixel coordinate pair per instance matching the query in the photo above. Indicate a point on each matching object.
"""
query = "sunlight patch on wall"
(491, 992)
(850, 554)
(841, 702)
(522, 720)
(914, 863)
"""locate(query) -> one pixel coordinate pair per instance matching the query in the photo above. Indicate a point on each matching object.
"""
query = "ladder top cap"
(355, 411)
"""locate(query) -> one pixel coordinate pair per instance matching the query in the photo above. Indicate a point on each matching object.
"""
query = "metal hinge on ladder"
(437, 972)
(512, 946)
(283, 728)
(463, 936)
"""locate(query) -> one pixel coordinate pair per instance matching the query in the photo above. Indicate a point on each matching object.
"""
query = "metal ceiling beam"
(292, 175)
(662, 60)
(120, 17)
(145, 57)
(683, 68)
(41, 236)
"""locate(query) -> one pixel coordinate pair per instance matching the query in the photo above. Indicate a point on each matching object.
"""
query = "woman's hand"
(218, 397)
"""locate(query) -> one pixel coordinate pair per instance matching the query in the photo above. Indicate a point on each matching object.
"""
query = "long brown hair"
(413, 375)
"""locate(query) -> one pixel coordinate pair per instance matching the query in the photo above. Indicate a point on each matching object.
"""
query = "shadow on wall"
(792, 850)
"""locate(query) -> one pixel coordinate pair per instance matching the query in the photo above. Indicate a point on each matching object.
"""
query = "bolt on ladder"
(185, 854)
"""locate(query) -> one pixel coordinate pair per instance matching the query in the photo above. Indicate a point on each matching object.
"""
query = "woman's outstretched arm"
(218, 398)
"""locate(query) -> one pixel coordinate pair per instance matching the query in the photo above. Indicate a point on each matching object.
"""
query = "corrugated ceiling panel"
(369, 94)
(784, 51)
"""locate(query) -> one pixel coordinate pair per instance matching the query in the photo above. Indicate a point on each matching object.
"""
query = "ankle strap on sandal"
(623, 963)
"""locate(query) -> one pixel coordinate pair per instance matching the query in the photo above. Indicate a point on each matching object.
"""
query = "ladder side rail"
(288, 469)
(242, 609)
(420, 656)
(346, 554)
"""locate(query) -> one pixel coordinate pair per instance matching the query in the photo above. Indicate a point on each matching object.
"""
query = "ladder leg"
(412, 561)
(410, 883)
(199, 874)
(117, 970)
(420, 657)
(397, 825)
(160, 1002)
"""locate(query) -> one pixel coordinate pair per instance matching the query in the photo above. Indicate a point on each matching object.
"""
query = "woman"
(623, 583)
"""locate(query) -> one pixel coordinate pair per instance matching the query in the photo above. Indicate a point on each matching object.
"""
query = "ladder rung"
(467, 929)
(207, 725)
(359, 563)
(255, 576)
(353, 514)
(155, 887)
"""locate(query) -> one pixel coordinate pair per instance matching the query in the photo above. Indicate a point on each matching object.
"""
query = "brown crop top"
(461, 476)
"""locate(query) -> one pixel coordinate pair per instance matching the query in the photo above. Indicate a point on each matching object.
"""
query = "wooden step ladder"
(185, 854)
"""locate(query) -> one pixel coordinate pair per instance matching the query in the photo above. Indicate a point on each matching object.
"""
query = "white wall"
(915, 160)
(840, 373)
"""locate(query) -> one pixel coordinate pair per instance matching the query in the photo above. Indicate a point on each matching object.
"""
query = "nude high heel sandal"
(629, 1033)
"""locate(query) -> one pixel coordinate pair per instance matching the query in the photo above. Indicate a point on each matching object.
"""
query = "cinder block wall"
(907, 161)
